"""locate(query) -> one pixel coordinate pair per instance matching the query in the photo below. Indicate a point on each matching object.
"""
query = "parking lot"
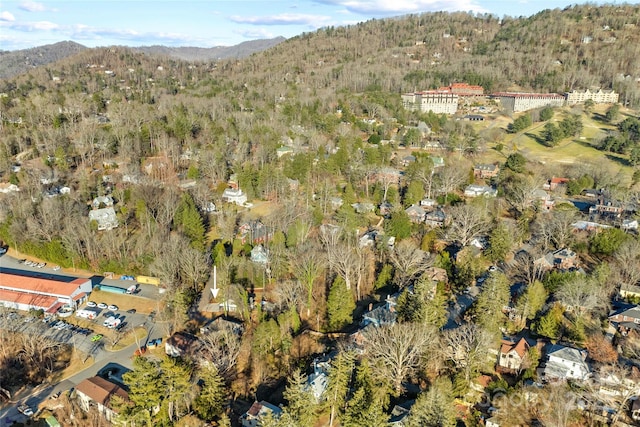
(72, 330)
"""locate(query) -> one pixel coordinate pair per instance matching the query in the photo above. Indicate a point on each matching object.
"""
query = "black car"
(131, 311)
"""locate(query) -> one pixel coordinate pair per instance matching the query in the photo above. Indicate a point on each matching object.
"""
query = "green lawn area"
(570, 150)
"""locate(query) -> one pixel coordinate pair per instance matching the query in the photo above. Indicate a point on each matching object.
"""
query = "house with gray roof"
(565, 363)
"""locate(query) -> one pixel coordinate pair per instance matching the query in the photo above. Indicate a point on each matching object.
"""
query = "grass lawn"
(569, 150)
(128, 339)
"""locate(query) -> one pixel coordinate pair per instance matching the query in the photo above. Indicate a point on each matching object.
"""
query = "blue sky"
(208, 23)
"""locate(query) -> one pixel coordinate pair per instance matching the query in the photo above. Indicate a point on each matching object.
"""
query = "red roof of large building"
(529, 95)
(26, 298)
(100, 390)
(38, 285)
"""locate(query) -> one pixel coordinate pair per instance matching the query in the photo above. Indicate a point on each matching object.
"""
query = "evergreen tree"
(532, 300)
(187, 219)
(301, 404)
(494, 296)
(340, 305)
(366, 405)
(176, 387)
(338, 384)
(434, 408)
(549, 324)
(208, 404)
(145, 392)
(500, 242)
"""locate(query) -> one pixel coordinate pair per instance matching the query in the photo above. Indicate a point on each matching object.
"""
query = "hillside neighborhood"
(183, 244)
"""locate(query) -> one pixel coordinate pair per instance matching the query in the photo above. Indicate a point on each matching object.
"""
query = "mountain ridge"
(16, 62)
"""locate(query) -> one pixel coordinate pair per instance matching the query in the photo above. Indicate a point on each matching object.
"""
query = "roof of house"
(180, 340)
(261, 408)
(100, 390)
(633, 312)
(521, 347)
(566, 353)
(39, 285)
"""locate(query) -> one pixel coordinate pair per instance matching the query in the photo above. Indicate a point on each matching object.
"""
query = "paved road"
(21, 322)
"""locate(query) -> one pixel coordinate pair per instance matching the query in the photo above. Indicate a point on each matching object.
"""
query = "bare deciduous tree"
(467, 223)
(467, 347)
(398, 349)
(409, 262)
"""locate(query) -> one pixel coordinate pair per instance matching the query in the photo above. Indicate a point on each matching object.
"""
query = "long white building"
(27, 292)
(516, 102)
(439, 102)
(599, 97)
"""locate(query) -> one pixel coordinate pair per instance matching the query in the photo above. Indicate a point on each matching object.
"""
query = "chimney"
(370, 306)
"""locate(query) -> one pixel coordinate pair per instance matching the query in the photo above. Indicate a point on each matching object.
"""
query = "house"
(258, 410)
(512, 355)
(435, 218)
(96, 391)
(407, 160)
(363, 208)
(474, 190)
(254, 232)
(368, 239)
(546, 202)
(563, 259)
(606, 209)
(626, 318)
(631, 291)
(336, 202)
(179, 344)
(415, 213)
(234, 195)
(260, 255)
(105, 218)
(629, 224)
(588, 226)
(102, 202)
(484, 171)
(438, 162)
(554, 183)
(385, 208)
(382, 315)
(429, 203)
(399, 414)
(319, 379)
(635, 410)
(565, 363)
(6, 187)
(281, 151)
(491, 422)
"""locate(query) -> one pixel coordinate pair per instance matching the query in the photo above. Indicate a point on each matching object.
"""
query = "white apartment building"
(439, 102)
(516, 102)
(599, 97)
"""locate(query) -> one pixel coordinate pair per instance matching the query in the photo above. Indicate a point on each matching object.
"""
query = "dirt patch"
(125, 301)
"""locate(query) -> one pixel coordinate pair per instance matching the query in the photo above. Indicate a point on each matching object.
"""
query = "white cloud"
(7, 16)
(399, 7)
(32, 6)
(282, 19)
(255, 33)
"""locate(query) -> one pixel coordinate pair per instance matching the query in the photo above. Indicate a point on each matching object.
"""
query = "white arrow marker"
(215, 289)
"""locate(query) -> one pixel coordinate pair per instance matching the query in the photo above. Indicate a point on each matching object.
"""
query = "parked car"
(24, 409)
(55, 395)
(22, 261)
(131, 311)
(56, 267)
(3, 251)
(140, 351)
(41, 264)
(91, 304)
(96, 338)
(102, 305)
(113, 307)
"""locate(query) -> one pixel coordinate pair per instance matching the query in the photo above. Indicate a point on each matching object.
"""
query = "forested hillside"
(351, 206)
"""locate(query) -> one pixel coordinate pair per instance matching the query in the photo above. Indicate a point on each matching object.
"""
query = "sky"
(209, 23)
